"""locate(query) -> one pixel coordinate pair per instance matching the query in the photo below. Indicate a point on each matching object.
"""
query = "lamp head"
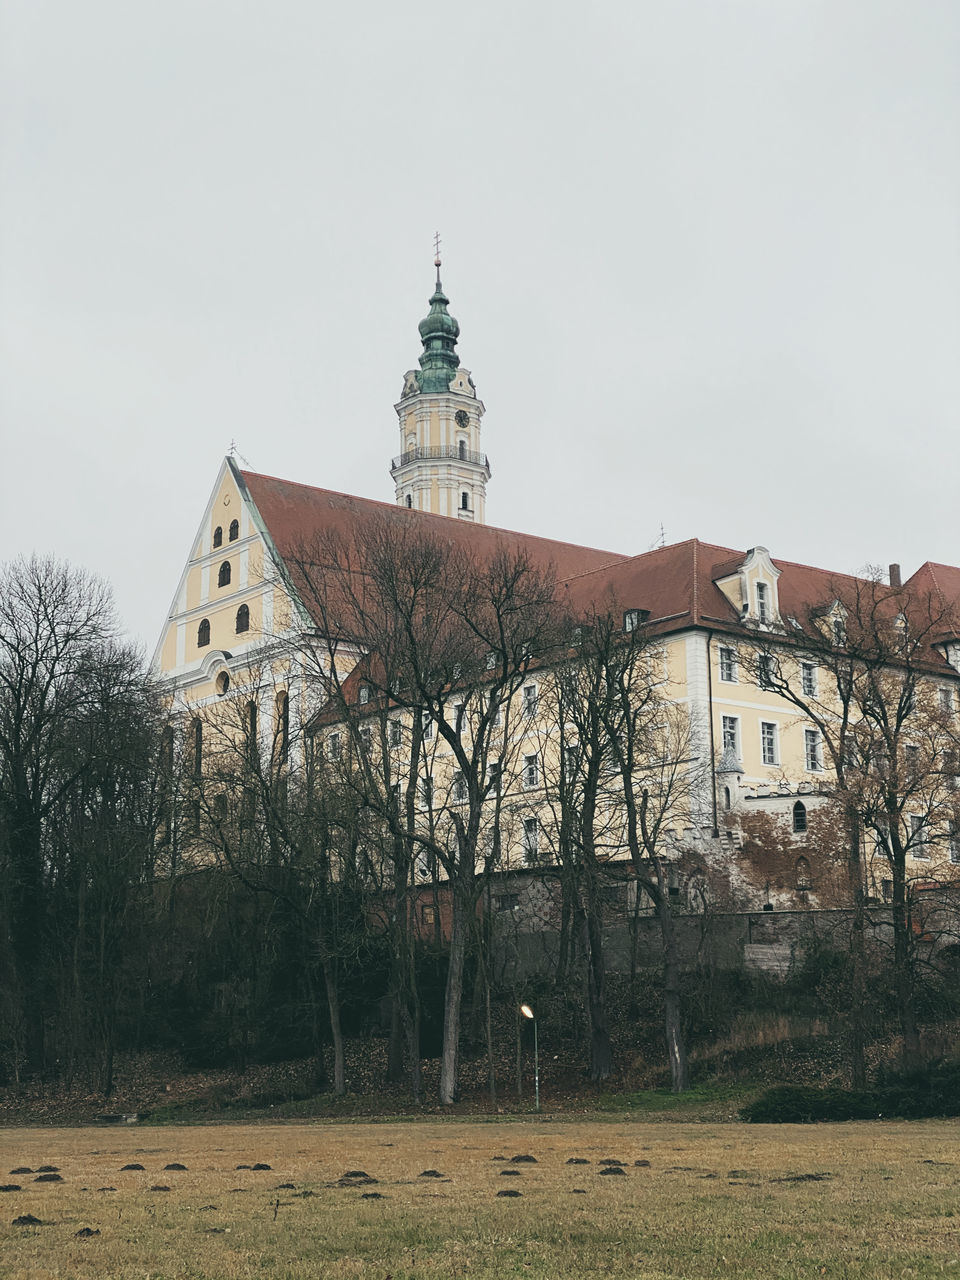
(527, 1011)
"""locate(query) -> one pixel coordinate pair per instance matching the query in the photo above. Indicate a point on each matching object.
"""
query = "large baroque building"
(715, 613)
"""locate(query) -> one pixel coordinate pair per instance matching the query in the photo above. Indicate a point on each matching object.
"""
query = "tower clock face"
(462, 418)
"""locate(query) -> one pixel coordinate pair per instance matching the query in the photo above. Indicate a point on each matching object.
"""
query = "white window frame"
(766, 671)
(769, 742)
(495, 775)
(812, 751)
(918, 842)
(531, 839)
(728, 662)
(333, 745)
(426, 726)
(947, 701)
(808, 679)
(458, 789)
(531, 772)
(762, 596)
(571, 762)
(396, 733)
(363, 696)
(731, 725)
(425, 788)
(530, 699)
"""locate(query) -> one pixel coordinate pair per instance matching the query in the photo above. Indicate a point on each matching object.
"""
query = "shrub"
(931, 1091)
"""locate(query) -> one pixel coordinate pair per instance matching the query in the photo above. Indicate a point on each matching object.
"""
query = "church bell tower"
(440, 467)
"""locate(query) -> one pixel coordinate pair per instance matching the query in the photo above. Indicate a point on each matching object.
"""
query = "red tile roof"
(676, 584)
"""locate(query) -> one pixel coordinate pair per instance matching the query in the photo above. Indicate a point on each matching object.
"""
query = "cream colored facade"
(238, 626)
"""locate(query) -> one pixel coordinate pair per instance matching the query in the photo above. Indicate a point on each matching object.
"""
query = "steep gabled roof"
(676, 585)
(297, 514)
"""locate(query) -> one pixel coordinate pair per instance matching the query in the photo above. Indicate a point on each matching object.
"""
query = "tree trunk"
(601, 1049)
(858, 956)
(672, 1025)
(452, 1001)
(336, 1031)
(902, 960)
(395, 1047)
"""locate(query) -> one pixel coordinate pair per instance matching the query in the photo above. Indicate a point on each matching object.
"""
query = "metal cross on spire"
(436, 253)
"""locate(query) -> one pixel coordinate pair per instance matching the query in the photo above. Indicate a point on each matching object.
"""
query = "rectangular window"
(954, 844)
(731, 734)
(839, 631)
(728, 664)
(494, 711)
(571, 762)
(333, 746)
(491, 660)
(364, 697)
(366, 737)
(918, 847)
(459, 788)
(765, 671)
(396, 733)
(428, 915)
(768, 741)
(763, 602)
(531, 772)
(531, 839)
(811, 750)
(808, 678)
(946, 699)
(494, 775)
(507, 901)
(427, 725)
(426, 793)
(634, 618)
(458, 717)
(529, 699)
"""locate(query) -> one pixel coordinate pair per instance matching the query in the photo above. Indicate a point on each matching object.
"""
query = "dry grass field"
(854, 1200)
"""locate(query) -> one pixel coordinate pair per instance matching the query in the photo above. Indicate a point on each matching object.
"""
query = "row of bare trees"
(442, 721)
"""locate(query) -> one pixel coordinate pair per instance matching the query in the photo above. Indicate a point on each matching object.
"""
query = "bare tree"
(447, 641)
(861, 670)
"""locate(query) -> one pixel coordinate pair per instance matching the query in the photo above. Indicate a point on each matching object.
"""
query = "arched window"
(251, 730)
(726, 797)
(223, 577)
(464, 501)
(203, 633)
(803, 875)
(197, 748)
(799, 816)
(462, 448)
(243, 618)
(223, 683)
(234, 530)
(409, 499)
(218, 536)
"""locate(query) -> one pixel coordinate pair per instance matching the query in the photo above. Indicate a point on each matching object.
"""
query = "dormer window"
(203, 634)
(763, 602)
(634, 618)
(363, 697)
(234, 530)
(218, 536)
(223, 577)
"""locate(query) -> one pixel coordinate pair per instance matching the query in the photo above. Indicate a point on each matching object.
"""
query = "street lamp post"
(528, 1013)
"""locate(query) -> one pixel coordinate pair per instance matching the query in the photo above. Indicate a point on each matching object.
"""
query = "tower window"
(223, 577)
(218, 536)
(462, 448)
(464, 501)
(203, 633)
(243, 618)
(234, 530)
(409, 499)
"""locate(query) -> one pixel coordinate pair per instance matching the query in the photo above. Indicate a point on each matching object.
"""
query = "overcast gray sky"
(704, 255)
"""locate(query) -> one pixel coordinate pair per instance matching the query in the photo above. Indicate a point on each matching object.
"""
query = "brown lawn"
(854, 1200)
